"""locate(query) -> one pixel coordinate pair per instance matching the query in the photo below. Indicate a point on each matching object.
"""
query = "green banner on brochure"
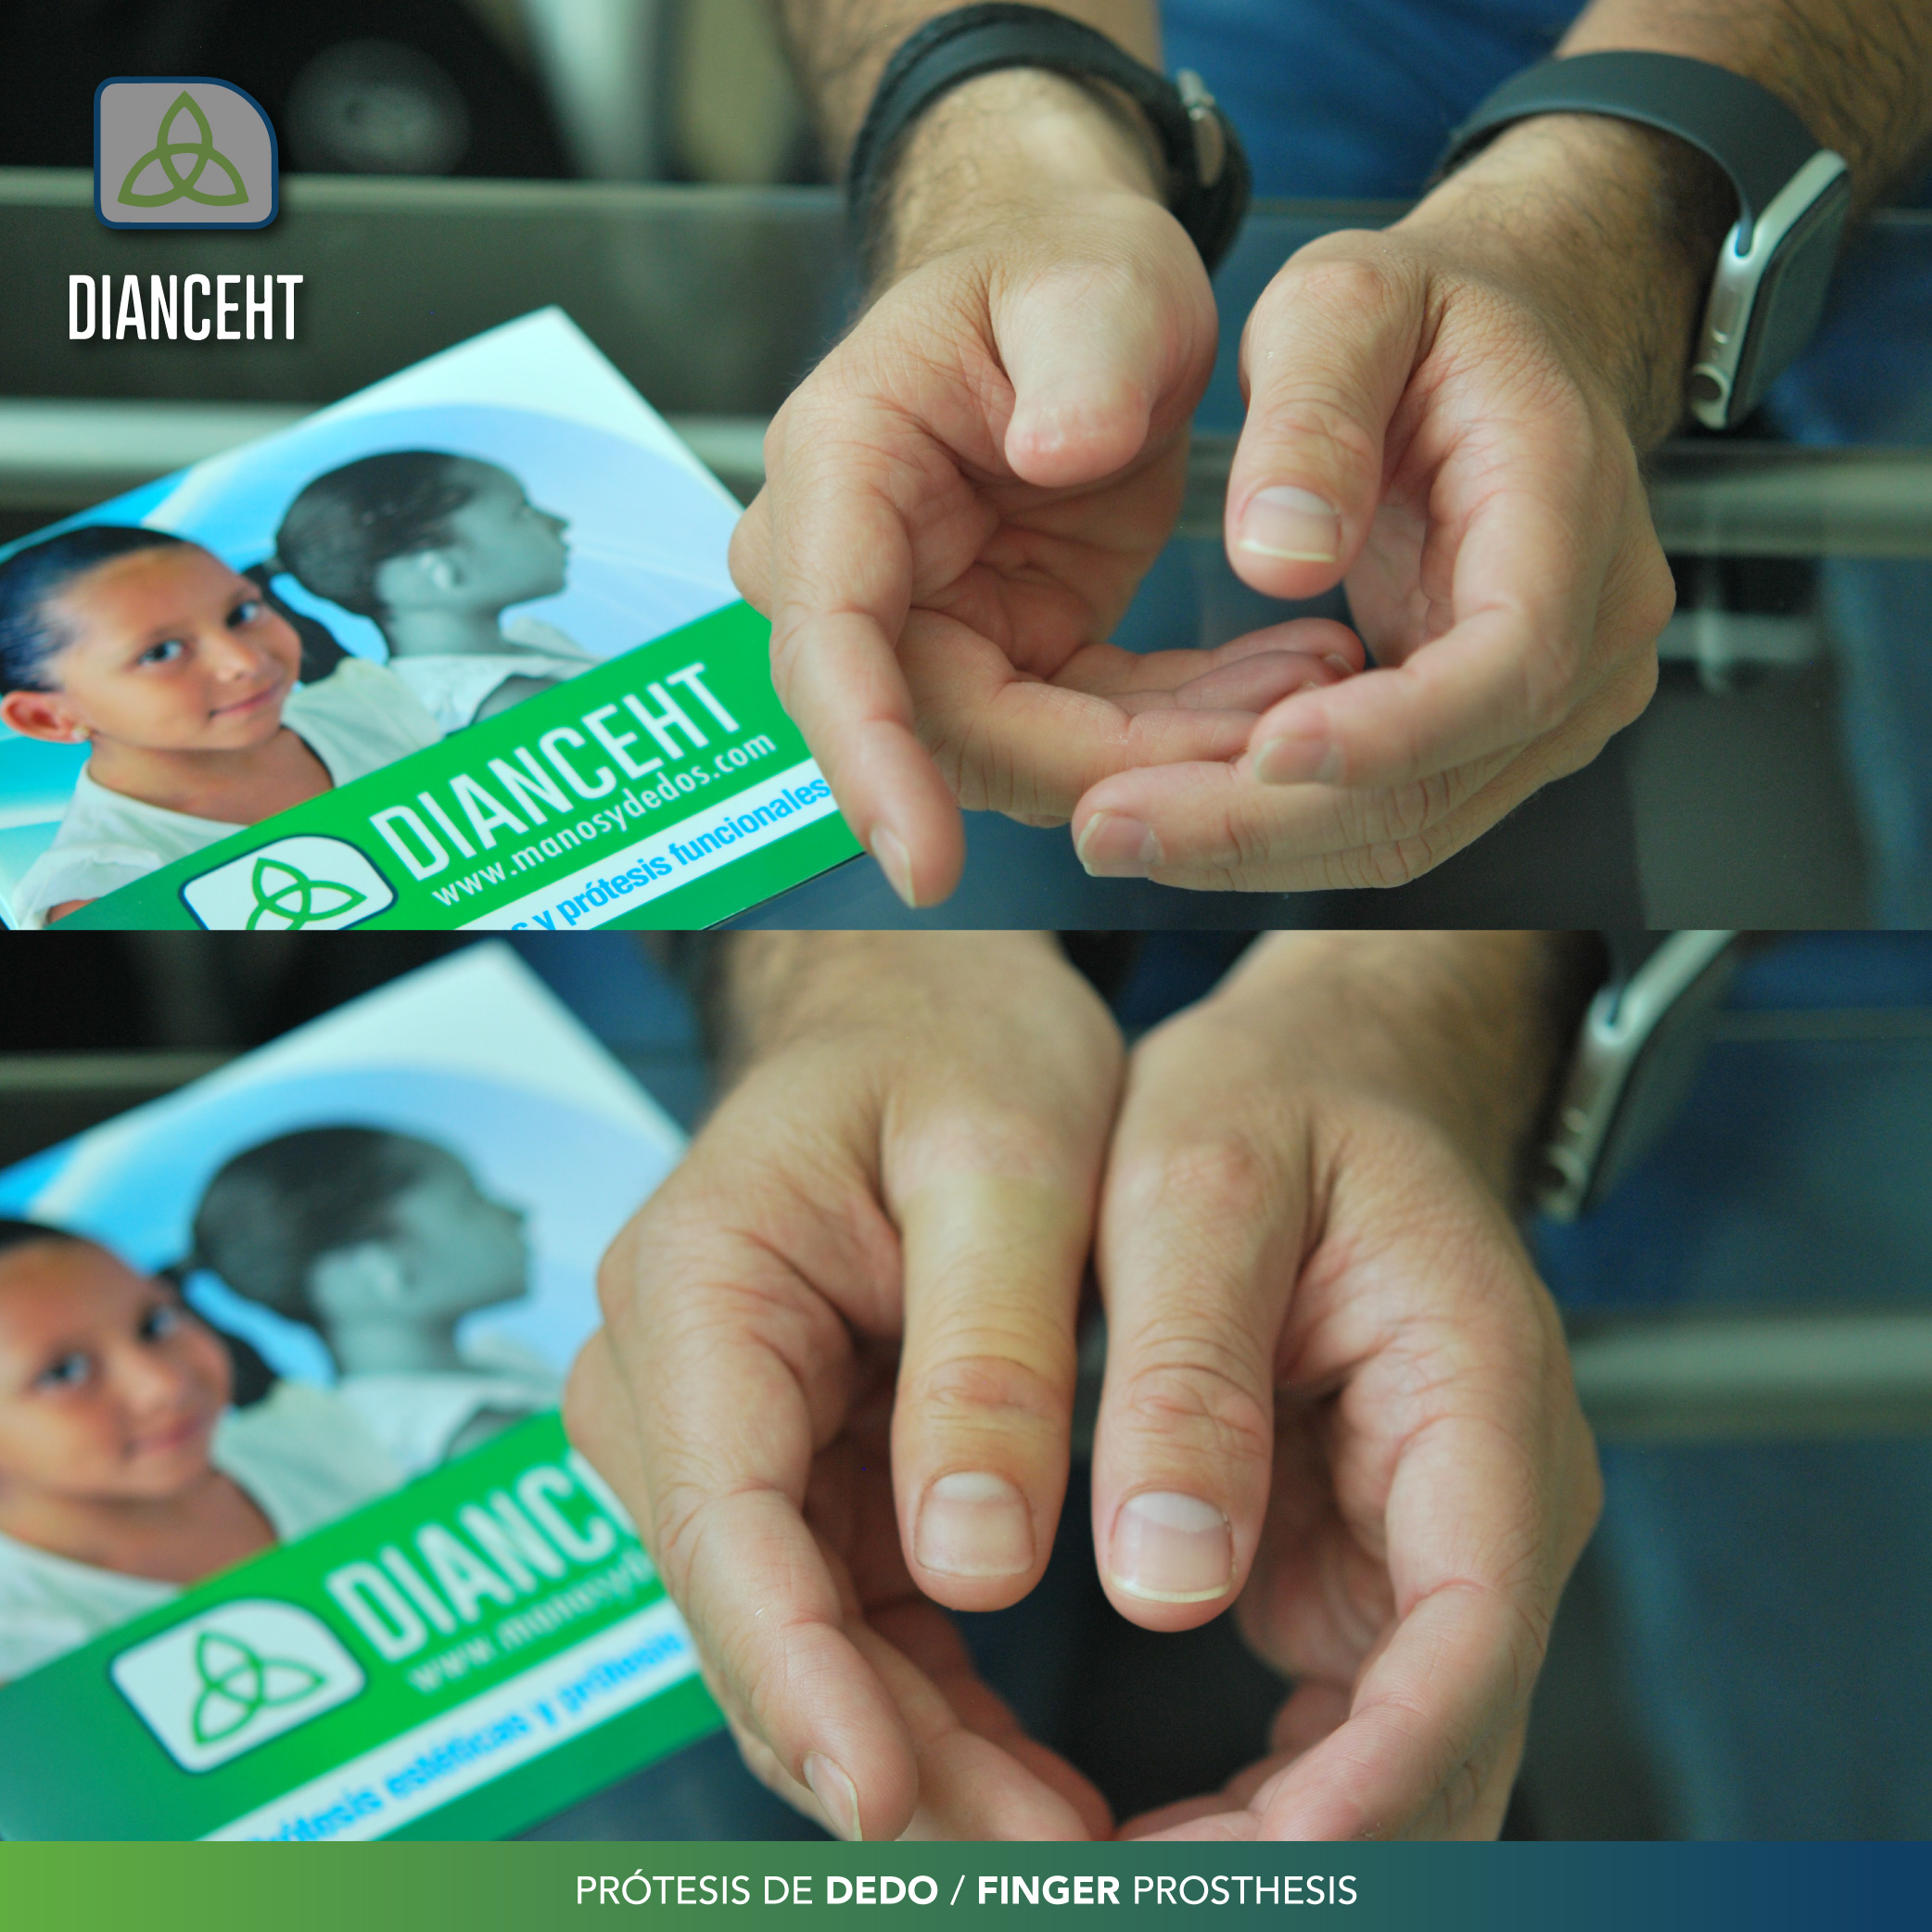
(664, 789)
(458, 1660)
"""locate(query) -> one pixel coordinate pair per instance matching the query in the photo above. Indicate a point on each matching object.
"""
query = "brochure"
(386, 1226)
(458, 652)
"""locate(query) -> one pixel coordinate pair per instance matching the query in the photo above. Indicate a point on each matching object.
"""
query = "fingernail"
(1298, 761)
(889, 852)
(1341, 664)
(1282, 521)
(1171, 1549)
(1115, 847)
(837, 1797)
(974, 1524)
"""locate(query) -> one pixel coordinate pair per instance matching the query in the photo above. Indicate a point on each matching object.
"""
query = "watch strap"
(1746, 129)
(1208, 178)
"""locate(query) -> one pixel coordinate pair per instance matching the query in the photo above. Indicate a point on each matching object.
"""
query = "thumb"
(1325, 359)
(1200, 1237)
(1100, 354)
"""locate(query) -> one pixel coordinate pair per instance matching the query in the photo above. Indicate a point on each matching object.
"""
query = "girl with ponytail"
(206, 704)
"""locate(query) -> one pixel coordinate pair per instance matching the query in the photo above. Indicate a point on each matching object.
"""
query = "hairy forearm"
(1613, 228)
(840, 47)
(1857, 72)
(1472, 1029)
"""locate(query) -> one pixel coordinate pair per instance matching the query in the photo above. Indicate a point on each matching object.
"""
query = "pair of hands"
(836, 1381)
(962, 498)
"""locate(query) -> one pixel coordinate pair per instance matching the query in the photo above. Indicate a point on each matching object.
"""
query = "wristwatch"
(1637, 1051)
(1208, 177)
(1793, 199)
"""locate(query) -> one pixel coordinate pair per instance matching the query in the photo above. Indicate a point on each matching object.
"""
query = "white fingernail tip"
(1171, 1549)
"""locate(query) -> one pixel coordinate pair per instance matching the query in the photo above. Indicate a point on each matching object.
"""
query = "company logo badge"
(183, 152)
(301, 884)
(231, 1678)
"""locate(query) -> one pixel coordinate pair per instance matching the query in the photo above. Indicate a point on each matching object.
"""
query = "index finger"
(835, 666)
(1509, 668)
(1531, 597)
(1477, 1552)
(718, 1394)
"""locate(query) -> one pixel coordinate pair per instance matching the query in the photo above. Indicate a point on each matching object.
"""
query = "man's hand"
(1448, 416)
(1335, 1389)
(1437, 418)
(963, 496)
(900, 1190)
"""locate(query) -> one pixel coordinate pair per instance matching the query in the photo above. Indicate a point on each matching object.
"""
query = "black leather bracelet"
(1207, 167)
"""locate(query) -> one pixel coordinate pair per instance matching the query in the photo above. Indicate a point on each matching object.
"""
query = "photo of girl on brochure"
(285, 618)
(382, 1243)
(433, 548)
(273, 1298)
(183, 679)
(125, 1474)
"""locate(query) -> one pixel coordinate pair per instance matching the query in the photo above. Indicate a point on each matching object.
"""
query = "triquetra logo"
(307, 882)
(233, 1677)
(183, 152)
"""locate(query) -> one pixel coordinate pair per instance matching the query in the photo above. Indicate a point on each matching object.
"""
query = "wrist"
(1609, 231)
(780, 989)
(1468, 1030)
(1008, 145)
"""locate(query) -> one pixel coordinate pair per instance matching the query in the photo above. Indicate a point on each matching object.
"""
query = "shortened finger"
(1100, 351)
(987, 1375)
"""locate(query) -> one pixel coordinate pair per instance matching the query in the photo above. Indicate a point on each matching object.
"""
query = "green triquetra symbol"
(163, 153)
(289, 900)
(236, 1684)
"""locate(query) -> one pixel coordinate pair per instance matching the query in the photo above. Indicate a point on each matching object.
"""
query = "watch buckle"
(1209, 140)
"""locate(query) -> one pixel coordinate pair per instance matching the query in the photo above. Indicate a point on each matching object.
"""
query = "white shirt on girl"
(356, 720)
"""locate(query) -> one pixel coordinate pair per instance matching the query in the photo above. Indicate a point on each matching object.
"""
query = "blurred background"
(598, 90)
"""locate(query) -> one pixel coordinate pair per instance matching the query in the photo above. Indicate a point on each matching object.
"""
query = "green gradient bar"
(530, 1887)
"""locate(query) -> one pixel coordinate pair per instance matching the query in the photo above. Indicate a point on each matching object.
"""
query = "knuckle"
(1319, 417)
(1214, 1179)
(967, 1133)
(1657, 594)
(1352, 285)
(1632, 693)
(672, 1530)
(1549, 676)
(1199, 1391)
(999, 1382)
(617, 1278)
